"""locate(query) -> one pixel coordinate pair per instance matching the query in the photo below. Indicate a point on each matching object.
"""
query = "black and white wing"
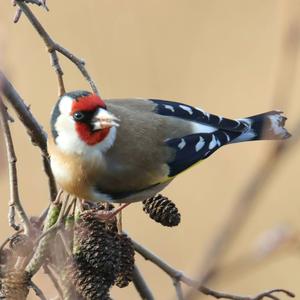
(213, 132)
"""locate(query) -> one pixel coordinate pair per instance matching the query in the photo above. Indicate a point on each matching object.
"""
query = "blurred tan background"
(228, 57)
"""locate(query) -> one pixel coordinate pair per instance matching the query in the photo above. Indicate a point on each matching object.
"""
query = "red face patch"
(91, 137)
(89, 103)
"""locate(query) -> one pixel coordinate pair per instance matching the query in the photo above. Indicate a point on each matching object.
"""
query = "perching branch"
(53, 48)
(15, 202)
(178, 276)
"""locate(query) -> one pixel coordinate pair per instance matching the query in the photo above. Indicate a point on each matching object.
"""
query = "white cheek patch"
(65, 105)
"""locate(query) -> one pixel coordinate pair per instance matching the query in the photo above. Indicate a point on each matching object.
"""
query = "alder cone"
(96, 262)
(99, 245)
(89, 283)
(162, 210)
(126, 261)
(14, 286)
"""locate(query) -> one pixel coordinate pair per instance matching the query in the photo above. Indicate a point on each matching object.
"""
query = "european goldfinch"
(128, 150)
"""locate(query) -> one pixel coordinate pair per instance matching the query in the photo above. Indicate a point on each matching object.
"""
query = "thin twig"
(40, 253)
(39, 293)
(58, 222)
(54, 280)
(65, 242)
(35, 131)
(178, 289)
(18, 15)
(15, 201)
(179, 276)
(54, 47)
(36, 2)
(141, 285)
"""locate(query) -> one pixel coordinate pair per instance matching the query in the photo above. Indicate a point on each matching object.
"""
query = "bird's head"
(81, 121)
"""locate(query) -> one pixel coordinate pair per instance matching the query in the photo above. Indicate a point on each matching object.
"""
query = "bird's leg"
(107, 215)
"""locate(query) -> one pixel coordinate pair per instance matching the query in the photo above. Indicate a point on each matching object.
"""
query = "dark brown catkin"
(14, 285)
(89, 283)
(96, 262)
(126, 261)
(162, 210)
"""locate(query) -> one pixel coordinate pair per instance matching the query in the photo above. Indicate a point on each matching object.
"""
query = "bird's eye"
(78, 116)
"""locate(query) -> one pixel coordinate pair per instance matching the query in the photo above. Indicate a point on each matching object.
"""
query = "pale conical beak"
(103, 119)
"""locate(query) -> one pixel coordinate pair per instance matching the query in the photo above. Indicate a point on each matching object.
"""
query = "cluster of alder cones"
(102, 256)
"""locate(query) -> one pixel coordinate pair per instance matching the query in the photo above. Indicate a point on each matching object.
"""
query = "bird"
(128, 150)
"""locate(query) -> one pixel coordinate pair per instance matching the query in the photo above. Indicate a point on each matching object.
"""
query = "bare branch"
(36, 2)
(17, 15)
(141, 285)
(179, 276)
(13, 177)
(54, 280)
(35, 131)
(54, 47)
(52, 224)
(178, 289)
(267, 294)
(39, 293)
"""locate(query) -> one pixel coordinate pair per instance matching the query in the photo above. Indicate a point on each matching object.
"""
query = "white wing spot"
(204, 112)
(182, 144)
(170, 107)
(227, 137)
(200, 144)
(186, 108)
(214, 142)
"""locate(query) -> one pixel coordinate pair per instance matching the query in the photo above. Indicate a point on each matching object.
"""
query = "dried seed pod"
(96, 262)
(162, 210)
(14, 285)
(99, 245)
(89, 283)
(66, 281)
(21, 244)
(126, 261)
